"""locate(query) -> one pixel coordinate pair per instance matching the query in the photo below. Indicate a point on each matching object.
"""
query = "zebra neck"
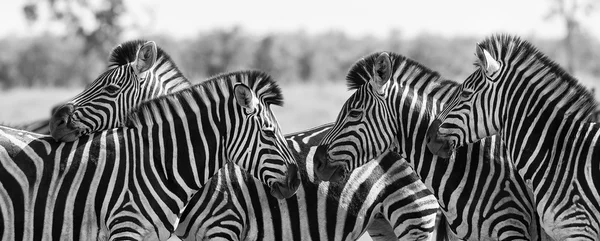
(168, 76)
(182, 147)
(540, 148)
(538, 90)
(182, 163)
(416, 109)
(415, 114)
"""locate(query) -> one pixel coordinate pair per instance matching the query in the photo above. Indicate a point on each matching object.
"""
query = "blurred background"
(51, 49)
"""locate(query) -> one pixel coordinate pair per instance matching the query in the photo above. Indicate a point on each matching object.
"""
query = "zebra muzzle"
(326, 169)
(62, 127)
(289, 188)
(439, 145)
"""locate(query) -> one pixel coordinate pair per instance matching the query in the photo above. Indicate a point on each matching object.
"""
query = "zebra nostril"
(62, 114)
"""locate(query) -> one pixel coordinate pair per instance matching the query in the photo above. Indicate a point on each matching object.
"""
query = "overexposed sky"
(184, 18)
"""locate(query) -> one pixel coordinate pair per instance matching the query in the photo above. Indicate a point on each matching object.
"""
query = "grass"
(305, 105)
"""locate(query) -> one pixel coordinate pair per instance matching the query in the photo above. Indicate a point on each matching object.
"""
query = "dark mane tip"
(360, 73)
(515, 46)
(263, 85)
(125, 52)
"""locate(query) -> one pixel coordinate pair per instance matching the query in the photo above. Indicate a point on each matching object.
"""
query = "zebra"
(385, 190)
(132, 182)
(541, 112)
(105, 103)
(396, 98)
(163, 78)
(127, 52)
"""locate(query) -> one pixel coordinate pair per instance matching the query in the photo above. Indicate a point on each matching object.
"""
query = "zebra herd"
(142, 154)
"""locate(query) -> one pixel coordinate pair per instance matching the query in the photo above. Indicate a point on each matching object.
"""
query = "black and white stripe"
(139, 71)
(236, 207)
(126, 53)
(396, 99)
(131, 183)
(541, 113)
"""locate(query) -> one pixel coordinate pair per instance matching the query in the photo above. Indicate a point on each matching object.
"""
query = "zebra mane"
(504, 46)
(360, 73)
(265, 88)
(125, 53)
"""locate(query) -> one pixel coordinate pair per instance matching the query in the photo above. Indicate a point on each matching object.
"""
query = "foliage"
(570, 13)
(46, 61)
(97, 23)
(290, 57)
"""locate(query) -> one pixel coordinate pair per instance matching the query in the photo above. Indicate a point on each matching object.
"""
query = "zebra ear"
(245, 97)
(382, 71)
(145, 57)
(486, 60)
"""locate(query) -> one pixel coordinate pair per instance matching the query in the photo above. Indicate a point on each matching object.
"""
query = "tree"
(570, 13)
(96, 22)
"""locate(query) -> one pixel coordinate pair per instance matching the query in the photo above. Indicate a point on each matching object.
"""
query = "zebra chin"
(327, 169)
(63, 127)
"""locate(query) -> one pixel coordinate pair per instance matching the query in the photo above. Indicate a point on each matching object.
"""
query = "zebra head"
(130, 79)
(364, 128)
(473, 112)
(257, 135)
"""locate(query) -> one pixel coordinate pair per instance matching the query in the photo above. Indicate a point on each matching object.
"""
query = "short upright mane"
(511, 47)
(125, 53)
(265, 88)
(360, 73)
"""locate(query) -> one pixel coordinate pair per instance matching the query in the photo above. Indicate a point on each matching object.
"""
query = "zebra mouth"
(286, 189)
(437, 143)
(326, 168)
(62, 125)
(338, 169)
(441, 146)
(66, 131)
(279, 191)
(65, 135)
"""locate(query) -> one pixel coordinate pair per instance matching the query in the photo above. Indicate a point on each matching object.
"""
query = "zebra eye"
(269, 131)
(111, 89)
(355, 114)
(466, 93)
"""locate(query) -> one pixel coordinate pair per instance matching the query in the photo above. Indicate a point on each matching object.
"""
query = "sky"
(185, 18)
